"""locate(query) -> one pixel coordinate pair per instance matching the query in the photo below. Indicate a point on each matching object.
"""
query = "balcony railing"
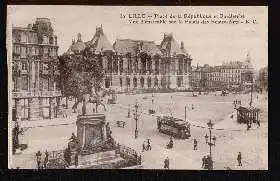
(36, 94)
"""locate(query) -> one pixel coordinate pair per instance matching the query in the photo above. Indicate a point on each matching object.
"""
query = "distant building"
(262, 79)
(137, 64)
(35, 70)
(231, 75)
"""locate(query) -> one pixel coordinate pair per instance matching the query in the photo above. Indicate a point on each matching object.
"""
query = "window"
(23, 52)
(23, 66)
(23, 38)
(37, 51)
(17, 49)
(45, 40)
(24, 83)
(45, 67)
(45, 51)
(33, 51)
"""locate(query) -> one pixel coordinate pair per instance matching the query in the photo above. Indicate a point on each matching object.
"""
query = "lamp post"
(136, 117)
(210, 127)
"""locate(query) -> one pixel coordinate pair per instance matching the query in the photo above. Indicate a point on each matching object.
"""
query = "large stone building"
(230, 75)
(35, 73)
(137, 64)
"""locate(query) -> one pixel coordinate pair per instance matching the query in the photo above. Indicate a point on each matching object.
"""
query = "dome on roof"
(78, 46)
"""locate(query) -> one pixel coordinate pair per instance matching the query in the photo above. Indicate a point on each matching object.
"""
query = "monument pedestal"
(91, 129)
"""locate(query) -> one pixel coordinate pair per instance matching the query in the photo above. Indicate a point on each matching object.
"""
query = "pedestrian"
(76, 159)
(67, 156)
(166, 163)
(149, 145)
(239, 159)
(194, 144)
(46, 159)
(192, 107)
(203, 162)
(209, 162)
(170, 144)
(143, 147)
(38, 159)
(259, 124)
(206, 162)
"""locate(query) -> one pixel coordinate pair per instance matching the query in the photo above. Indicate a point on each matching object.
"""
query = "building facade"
(137, 64)
(231, 75)
(35, 71)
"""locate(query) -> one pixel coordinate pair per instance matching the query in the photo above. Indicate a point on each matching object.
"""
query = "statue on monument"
(95, 97)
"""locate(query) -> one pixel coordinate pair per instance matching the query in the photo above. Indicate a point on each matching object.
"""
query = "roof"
(248, 109)
(124, 46)
(171, 47)
(100, 42)
(78, 46)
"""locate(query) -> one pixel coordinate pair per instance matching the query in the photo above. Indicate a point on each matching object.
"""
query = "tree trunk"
(66, 102)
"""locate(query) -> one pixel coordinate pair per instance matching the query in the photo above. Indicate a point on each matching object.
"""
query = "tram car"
(174, 127)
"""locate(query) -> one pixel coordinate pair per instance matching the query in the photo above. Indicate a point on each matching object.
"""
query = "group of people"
(146, 147)
(207, 163)
(42, 163)
(236, 102)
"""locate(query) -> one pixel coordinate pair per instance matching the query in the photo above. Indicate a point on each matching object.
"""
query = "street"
(231, 137)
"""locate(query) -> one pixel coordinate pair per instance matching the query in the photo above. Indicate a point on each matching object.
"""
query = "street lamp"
(209, 142)
(136, 117)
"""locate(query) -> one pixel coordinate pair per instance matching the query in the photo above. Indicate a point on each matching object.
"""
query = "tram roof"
(173, 119)
(248, 109)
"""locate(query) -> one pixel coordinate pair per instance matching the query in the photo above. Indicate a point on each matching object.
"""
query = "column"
(146, 64)
(139, 65)
(133, 64)
(18, 109)
(41, 109)
(51, 108)
(117, 65)
(153, 66)
(58, 108)
(176, 65)
(183, 66)
(125, 65)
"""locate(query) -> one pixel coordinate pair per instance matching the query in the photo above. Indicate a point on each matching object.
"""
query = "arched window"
(107, 82)
(128, 81)
(149, 82)
(135, 82)
(121, 82)
(156, 82)
(142, 82)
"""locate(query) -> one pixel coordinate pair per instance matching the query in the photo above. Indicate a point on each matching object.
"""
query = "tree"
(81, 74)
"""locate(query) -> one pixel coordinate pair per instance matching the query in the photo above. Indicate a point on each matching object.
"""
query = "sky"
(207, 44)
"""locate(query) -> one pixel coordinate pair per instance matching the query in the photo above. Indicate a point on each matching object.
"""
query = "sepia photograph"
(126, 87)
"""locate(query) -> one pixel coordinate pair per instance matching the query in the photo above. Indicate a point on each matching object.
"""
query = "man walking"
(239, 159)
(166, 163)
(203, 162)
(46, 159)
(143, 147)
(38, 159)
(194, 144)
(149, 145)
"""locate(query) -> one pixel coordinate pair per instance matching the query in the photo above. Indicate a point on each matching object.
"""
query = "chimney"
(182, 45)
(79, 36)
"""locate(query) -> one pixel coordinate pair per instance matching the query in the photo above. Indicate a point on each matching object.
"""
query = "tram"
(173, 126)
